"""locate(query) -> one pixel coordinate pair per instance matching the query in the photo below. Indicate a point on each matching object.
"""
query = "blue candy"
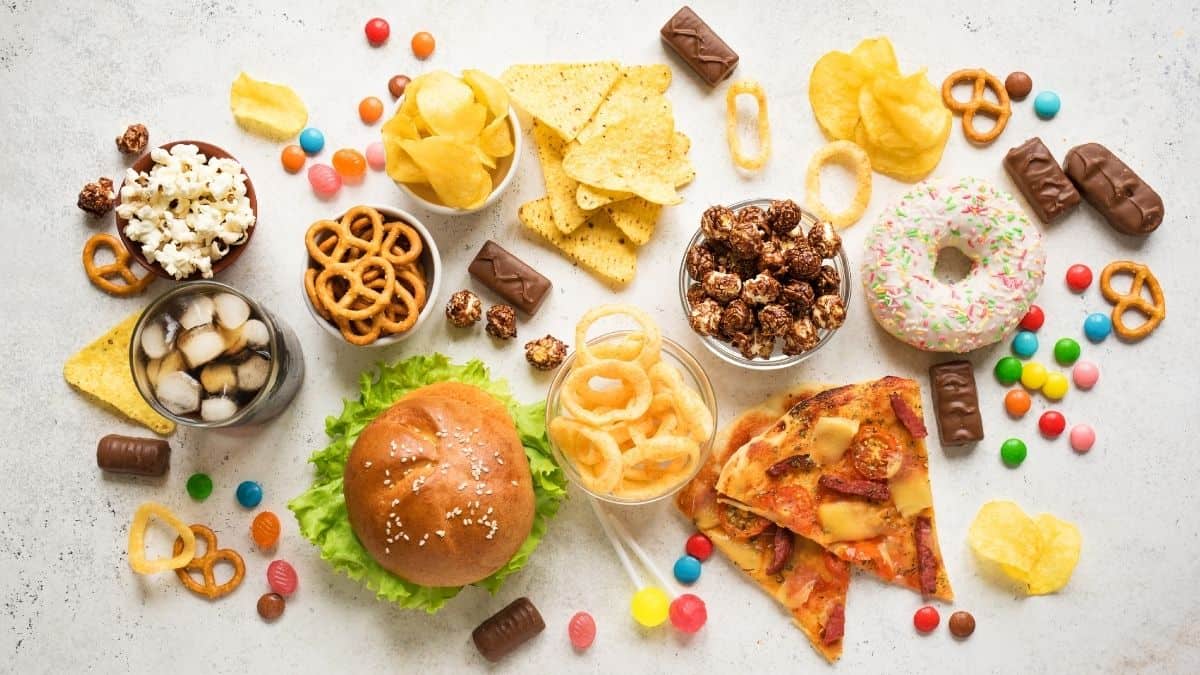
(687, 569)
(1047, 104)
(1025, 344)
(312, 140)
(1097, 327)
(249, 494)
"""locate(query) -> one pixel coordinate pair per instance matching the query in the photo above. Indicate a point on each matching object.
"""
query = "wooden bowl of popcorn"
(183, 217)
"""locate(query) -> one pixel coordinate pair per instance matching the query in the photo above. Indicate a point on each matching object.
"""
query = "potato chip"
(488, 91)
(560, 187)
(876, 56)
(399, 165)
(634, 155)
(833, 88)
(270, 110)
(562, 95)
(448, 106)
(1061, 544)
(903, 113)
(1003, 534)
(453, 169)
(597, 246)
(900, 165)
(496, 139)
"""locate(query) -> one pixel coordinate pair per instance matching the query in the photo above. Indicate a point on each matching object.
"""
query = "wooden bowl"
(144, 164)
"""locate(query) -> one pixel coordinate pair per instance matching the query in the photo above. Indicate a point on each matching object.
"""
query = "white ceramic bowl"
(506, 168)
(431, 260)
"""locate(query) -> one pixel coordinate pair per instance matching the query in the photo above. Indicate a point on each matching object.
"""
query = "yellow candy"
(1033, 375)
(1055, 386)
(650, 606)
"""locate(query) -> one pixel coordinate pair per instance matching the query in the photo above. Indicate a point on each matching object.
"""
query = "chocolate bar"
(1049, 192)
(702, 49)
(131, 455)
(510, 278)
(508, 629)
(956, 403)
(1112, 188)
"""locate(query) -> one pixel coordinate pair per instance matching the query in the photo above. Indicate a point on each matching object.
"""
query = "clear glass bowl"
(693, 375)
(727, 352)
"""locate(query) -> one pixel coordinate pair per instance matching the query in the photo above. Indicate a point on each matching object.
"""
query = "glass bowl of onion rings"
(630, 414)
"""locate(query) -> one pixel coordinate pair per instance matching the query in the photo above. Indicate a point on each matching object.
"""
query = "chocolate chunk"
(1037, 175)
(510, 278)
(136, 456)
(962, 624)
(271, 606)
(702, 49)
(1018, 85)
(1112, 188)
(508, 629)
(956, 402)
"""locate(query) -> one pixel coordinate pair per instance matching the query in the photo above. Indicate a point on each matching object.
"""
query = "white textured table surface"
(73, 76)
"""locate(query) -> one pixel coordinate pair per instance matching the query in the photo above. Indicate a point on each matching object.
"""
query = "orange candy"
(1017, 402)
(422, 45)
(370, 109)
(265, 530)
(349, 163)
(293, 158)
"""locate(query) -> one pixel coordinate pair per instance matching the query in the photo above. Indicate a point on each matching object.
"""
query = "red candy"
(281, 577)
(1052, 423)
(1079, 277)
(699, 546)
(688, 613)
(582, 630)
(926, 619)
(1034, 318)
(377, 31)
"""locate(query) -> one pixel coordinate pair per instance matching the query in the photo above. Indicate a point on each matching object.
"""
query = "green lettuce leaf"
(321, 510)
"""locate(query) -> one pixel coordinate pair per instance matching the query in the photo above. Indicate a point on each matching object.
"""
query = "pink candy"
(281, 577)
(1083, 437)
(1085, 374)
(582, 630)
(324, 180)
(688, 613)
(376, 158)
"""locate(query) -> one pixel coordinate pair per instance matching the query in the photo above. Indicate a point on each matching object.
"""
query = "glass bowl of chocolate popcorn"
(764, 283)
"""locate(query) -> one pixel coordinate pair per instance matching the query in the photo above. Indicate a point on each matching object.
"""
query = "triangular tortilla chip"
(562, 95)
(636, 154)
(590, 198)
(597, 246)
(101, 371)
(636, 217)
(627, 100)
(560, 187)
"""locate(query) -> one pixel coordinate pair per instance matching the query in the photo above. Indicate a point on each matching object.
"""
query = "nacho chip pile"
(1040, 553)
(610, 156)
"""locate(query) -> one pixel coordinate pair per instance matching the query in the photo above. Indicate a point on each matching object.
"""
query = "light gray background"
(72, 76)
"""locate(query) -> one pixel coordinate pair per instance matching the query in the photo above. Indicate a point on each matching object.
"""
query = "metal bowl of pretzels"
(371, 275)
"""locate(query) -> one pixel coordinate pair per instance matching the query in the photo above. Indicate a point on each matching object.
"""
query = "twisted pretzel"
(100, 275)
(206, 563)
(1154, 309)
(980, 79)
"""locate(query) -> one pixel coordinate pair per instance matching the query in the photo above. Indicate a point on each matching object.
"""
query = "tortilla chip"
(597, 246)
(562, 95)
(560, 187)
(634, 155)
(101, 372)
(626, 100)
(635, 217)
(270, 110)
(590, 198)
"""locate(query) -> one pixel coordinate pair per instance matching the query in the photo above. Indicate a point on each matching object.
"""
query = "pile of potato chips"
(1040, 553)
(447, 137)
(899, 120)
(610, 155)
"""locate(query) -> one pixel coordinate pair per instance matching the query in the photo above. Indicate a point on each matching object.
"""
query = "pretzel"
(206, 563)
(99, 274)
(1154, 309)
(980, 79)
(398, 255)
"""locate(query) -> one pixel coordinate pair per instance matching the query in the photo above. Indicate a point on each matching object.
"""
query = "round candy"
(1013, 452)
(699, 546)
(312, 140)
(397, 85)
(1008, 370)
(1025, 344)
(1066, 351)
(376, 157)
(281, 577)
(370, 109)
(582, 630)
(1085, 374)
(1055, 387)
(688, 613)
(292, 158)
(249, 494)
(1083, 437)
(1046, 104)
(1097, 327)
(349, 163)
(1018, 85)
(1079, 277)
(1017, 402)
(1034, 318)
(1033, 375)
(926, 619)
(1052, 423)
(650, 606)
(324, 180)
(377, 31)
(199, 486)
(962, 624)
(687, 569)
(264, 530)
(270, 606)
(422, 45)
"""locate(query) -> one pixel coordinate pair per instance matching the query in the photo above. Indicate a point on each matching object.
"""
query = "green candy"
(1013, 451)
(1008, 369)
(1066, 351)
(199, 486)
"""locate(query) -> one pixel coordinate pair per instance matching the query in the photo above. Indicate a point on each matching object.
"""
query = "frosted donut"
(987, 225)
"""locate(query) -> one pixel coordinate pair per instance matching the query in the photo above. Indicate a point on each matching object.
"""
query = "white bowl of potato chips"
(453, 143)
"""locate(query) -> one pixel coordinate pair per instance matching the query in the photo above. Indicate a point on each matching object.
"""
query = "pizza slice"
(847, 468)
(808, 581)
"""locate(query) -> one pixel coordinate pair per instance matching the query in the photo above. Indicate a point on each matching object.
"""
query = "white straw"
(642, 555)
(616, 544)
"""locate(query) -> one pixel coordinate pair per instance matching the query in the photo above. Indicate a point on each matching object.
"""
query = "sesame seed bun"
(438, 488)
